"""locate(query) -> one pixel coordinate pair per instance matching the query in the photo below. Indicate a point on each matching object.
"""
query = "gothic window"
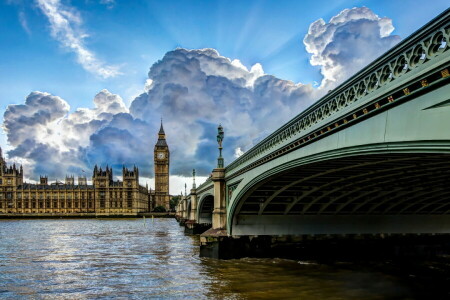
(102, 199)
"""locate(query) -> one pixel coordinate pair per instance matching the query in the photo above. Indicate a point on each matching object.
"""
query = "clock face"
(161, 155)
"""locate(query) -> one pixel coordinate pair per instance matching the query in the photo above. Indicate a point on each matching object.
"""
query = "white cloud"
(177, 183)
(348, 42)
(148, 84)
(195, 90)
(109, 3)
(23, 22)
(238, 152)
(65, 22)
(54, 141)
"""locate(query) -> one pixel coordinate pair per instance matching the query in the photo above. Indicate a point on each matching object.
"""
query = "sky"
(86, 82)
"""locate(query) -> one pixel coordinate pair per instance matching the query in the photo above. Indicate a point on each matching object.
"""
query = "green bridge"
(372, 157)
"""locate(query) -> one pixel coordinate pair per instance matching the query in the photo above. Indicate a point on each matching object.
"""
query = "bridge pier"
(215, 241)
(220, 211)
(325, 248)
(183, 212)
(191, 226)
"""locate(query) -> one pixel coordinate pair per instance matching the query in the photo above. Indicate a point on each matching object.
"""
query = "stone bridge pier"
(198, 218)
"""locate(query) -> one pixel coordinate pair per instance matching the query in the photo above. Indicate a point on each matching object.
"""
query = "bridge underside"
(378, 193)
(205, 210)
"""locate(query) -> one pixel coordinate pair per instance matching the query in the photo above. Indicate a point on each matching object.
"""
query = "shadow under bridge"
(358, 194)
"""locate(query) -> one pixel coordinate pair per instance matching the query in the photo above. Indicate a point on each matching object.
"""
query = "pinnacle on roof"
(161, 129)
(161, 137)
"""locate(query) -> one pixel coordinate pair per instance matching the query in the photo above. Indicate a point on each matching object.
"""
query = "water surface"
(130, 259)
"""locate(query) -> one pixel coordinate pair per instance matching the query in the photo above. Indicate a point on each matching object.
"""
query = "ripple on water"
(123, 259)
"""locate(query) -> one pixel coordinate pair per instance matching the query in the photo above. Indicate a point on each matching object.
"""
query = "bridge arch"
(205, 208)
(370, 189)
(188, 208)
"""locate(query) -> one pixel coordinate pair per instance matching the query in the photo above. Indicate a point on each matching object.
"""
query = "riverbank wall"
(86, 216)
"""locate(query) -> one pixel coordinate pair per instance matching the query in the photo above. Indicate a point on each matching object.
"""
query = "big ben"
(161, 160)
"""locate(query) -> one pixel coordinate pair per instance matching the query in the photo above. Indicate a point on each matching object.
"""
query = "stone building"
(103, 197)
(161, 161)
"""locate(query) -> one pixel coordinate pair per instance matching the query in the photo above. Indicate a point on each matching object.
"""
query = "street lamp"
(220, 136)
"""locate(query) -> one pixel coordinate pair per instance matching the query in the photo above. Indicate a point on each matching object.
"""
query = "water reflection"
(127, 259)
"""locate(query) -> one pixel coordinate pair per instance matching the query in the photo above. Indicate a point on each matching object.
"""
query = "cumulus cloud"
(51, 140)
(65, 25)
(194, 91)
(348, 42)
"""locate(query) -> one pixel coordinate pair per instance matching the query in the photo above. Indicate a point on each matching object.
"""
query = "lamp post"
(220, 136)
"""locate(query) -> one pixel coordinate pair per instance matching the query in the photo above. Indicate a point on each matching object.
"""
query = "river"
(133, 259)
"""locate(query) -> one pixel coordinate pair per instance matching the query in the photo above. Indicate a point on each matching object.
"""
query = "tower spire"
(161, 130)
(161, 136)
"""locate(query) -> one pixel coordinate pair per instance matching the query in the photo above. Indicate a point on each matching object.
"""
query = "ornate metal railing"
(413, 53)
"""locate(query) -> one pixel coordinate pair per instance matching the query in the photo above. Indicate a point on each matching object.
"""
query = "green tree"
(174, 202)
(160, 209)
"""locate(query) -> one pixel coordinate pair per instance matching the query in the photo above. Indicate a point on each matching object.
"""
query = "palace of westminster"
(103, 197)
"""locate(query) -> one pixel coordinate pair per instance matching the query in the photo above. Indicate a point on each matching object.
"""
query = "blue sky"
(135, 34)
(130, 36)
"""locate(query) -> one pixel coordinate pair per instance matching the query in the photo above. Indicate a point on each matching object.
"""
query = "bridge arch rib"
(205, 208)
(351, 191)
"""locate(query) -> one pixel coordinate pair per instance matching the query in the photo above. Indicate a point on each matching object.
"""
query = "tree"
(160, 209)
(174, 202)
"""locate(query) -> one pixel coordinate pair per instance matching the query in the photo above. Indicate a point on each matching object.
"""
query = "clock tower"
(161, 160)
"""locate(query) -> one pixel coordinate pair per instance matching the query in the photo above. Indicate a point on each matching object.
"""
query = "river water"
(133, 259)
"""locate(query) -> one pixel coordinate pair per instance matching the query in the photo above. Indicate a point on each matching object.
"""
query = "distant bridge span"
(370, 157)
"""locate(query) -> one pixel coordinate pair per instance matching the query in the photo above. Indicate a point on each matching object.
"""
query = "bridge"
(372, 157)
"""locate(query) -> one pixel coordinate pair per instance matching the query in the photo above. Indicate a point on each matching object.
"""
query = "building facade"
(103, 197)
(162, 161)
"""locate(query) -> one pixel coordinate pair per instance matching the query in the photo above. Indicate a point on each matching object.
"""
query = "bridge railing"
(427, 43)
(204, 185)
